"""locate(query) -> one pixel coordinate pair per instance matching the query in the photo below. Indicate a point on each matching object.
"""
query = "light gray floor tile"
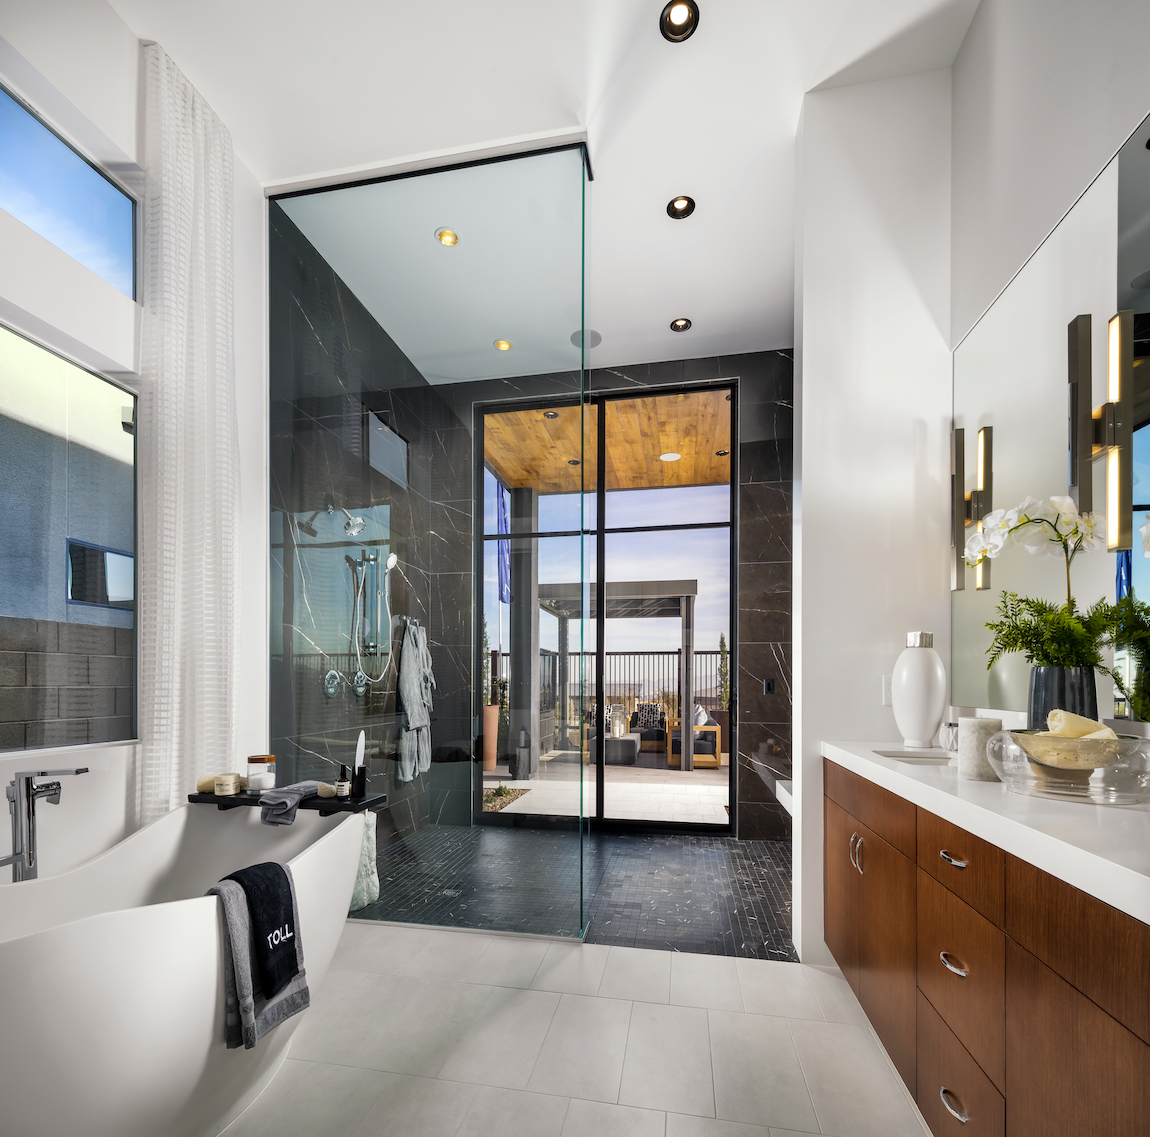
(854, 1090)
(790, 1133)
(347, 1031)
(500, 1046)
(710, 981)
(574, 969)
(758, 1078)
(668, 1062)
(582, 1055)
(305, 1098)
(836, 999)
(511, 1113)
(508, 962)
(680, 1125)
(599, 1119)
(771, 987)
(337, 984)
(446, 955)
(412, 1107)
(423, 1035)
(378, 947)
(637, 973)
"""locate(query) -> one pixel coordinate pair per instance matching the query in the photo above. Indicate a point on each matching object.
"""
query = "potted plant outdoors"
(1063, 646)
(490, 709)
(723, 714)
(1129, 628)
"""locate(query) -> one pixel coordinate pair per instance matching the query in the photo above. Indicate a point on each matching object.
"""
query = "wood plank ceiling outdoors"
(526, 450)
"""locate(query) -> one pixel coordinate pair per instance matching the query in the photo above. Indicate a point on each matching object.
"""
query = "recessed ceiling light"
(670, 456)
(502, 345)
(681, 324)
(550, 414)
(680, 207)
(679, 20)
(721, 453)
(573, 462)
(447, 236)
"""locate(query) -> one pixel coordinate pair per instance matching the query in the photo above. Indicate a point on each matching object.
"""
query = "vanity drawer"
(893, 818)
(966, 864)
(948, 1075)
(1101, 951)
(962, 971)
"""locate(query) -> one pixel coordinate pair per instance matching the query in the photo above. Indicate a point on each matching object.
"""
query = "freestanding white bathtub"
(111, 981)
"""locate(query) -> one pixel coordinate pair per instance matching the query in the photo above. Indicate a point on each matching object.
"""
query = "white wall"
(1045, 93)
(873, 389)
(78, 64)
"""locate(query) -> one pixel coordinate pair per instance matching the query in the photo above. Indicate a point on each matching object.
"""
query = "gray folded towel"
(279, 806)
(248, 1016)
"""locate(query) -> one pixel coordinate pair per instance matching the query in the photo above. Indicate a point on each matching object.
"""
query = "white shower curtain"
(188, 450)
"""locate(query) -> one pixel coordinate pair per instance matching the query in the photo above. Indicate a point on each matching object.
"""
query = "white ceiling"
(318, 90)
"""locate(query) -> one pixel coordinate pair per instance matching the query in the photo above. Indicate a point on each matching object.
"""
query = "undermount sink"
(930, 757)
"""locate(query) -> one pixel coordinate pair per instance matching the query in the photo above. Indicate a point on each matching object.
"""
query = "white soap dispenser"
(918, 690)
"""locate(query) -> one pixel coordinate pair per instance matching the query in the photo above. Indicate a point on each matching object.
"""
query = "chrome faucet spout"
(22, 793)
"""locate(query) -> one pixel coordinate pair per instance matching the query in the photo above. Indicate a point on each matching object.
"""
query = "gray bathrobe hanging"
(416, 684)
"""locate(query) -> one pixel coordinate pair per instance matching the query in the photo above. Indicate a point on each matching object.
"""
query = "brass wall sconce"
(970, 508)
(1106, 431)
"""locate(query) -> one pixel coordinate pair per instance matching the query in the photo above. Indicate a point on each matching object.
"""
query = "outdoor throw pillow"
(650, 715)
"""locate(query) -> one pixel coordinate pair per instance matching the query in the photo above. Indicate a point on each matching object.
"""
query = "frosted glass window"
(46, 185)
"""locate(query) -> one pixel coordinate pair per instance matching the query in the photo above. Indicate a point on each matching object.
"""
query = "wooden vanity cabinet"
(869, 901)
(1047, 1034)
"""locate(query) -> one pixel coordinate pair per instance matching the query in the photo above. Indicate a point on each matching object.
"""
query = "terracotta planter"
(490, 735)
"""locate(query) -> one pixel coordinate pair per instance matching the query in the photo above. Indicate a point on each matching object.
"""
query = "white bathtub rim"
(162, 905)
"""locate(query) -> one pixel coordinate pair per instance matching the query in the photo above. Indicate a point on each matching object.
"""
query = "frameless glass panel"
(401, 310)
(667, 645)
(45, 184)
(67, 573)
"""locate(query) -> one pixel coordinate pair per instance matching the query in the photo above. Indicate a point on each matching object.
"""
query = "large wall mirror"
(1012, 375)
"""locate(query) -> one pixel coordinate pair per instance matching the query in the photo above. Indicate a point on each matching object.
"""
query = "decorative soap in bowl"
(1106, 771)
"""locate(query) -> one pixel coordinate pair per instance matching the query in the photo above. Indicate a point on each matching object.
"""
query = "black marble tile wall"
(64, 683)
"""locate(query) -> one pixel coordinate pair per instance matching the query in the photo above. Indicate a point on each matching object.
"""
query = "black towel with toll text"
(273, 924)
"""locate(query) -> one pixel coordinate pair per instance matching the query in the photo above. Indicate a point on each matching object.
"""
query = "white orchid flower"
(975, 549)
(996, 541)
(1040, 539)
(1092, 529)
(1038, 509)
(1001, 521)
(1066, 506)
(1145, 531)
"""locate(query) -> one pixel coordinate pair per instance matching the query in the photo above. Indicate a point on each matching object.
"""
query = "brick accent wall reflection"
(64, 683)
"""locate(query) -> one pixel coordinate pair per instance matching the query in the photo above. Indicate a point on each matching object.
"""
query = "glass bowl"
(1105, 771)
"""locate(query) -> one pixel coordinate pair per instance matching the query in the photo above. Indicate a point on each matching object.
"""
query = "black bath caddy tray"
(326, 805)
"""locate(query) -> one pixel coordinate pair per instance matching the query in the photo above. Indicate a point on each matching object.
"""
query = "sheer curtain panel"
(188, 449)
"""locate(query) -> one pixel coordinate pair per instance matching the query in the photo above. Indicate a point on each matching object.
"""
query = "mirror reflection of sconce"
(1106, 431)
(969, 508)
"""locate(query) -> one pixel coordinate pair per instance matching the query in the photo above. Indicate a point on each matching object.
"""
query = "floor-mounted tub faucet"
(22, 793)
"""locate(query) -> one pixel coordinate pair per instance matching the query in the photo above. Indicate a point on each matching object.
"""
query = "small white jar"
(918, 690)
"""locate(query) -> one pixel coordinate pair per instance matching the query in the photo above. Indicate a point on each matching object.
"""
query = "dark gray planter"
(1061, 689)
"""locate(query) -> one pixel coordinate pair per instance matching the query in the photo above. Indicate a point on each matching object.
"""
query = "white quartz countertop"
(1103, 850)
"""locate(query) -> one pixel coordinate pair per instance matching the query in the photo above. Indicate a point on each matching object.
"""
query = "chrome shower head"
(392, 561)
(353, 526)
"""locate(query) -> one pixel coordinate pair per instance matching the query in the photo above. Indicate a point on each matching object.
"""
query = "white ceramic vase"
(918, 690)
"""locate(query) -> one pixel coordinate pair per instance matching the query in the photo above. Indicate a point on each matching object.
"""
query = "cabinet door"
(841, 890)
(888, 949)
(1071, 1070)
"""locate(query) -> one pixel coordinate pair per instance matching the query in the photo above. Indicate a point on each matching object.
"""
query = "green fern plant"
(1129, 621)
(1050, 635)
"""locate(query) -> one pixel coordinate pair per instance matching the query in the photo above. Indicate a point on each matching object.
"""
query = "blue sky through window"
(46, 185)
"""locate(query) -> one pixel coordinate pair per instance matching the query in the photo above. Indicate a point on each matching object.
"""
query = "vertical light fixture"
(1118, 427)
(1079, 429)
(957, 509)
(979, 500)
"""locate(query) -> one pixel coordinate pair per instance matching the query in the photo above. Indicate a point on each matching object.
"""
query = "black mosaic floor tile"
(711, 895)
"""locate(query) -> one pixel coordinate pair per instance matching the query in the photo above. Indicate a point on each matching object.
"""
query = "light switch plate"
(886, 691)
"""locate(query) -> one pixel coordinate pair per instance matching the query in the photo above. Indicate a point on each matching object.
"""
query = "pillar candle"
(973, 735)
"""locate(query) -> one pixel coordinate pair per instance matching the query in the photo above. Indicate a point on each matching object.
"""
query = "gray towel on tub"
(248, 1016)
(279, 806)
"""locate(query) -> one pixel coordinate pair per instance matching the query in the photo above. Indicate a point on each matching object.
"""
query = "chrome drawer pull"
(945, 958)
(961, 1118)
(854, 838)
(951, 860)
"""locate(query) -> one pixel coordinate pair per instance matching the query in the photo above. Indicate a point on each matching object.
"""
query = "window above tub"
(49, 186)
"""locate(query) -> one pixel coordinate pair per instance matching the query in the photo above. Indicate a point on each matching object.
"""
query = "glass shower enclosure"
(399, 306)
